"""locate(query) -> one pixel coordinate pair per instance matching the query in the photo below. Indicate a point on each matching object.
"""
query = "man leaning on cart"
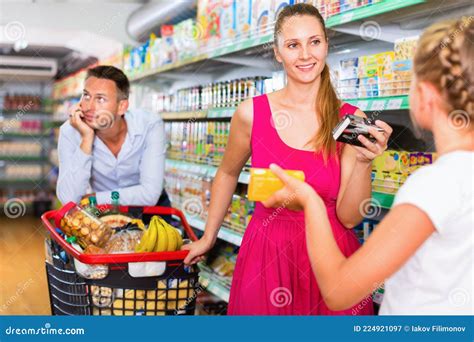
(103, 147)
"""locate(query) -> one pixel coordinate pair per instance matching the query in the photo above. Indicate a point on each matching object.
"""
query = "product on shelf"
(209, 21)
(70, 86)
(385, 73)
(33, 172)
(348, 86)
(402, 64)
(368, 76)
(228, 18)
(24, 127)
(243, 17)
(261, 16)
(20, 149)
(185, 37)
(22, 102)
(25, 196)
(391, 169)
(199, 142)
(214, 95)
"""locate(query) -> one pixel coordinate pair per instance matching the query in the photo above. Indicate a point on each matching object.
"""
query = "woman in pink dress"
(292, 128)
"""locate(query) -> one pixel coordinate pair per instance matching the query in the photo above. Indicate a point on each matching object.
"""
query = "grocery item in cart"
(124, 241)
(116, 220)
(90, 271)
(102, 296)
(159, 237)
(75, 221)
(263, 183)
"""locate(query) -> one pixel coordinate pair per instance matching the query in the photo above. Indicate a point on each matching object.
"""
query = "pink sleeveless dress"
(273, 274)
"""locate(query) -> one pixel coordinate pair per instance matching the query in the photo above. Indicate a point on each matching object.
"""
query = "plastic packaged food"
(123, 241)
(88, 229)
(263, 183)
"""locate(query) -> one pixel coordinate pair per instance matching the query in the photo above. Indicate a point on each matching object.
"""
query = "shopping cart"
(156, 283)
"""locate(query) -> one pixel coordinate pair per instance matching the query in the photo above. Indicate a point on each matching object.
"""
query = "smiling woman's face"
(302, 48)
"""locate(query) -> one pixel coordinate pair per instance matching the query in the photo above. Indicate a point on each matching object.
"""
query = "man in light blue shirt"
(104, 148)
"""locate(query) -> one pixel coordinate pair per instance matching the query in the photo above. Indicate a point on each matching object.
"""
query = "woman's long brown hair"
(327, 101)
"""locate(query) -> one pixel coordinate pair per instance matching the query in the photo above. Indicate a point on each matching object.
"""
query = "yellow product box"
(389, 182)
(405, 48)
(385, 72)
(368, 66)
(264, 183)
(396, 161)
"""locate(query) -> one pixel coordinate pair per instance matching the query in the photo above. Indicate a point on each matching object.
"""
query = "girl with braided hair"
(423, 249)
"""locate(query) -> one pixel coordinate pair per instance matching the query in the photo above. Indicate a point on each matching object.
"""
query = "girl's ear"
(430, 103)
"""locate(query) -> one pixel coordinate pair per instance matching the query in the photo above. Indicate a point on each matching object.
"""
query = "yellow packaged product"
(264, 183)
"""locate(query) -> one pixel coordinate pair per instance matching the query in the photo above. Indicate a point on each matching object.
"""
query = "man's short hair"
(109, 72)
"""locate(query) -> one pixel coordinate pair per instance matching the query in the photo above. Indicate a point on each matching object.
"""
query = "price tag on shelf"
(378, 105)
(211, 114)
(394, 104)
(347, 17)
(363, 105)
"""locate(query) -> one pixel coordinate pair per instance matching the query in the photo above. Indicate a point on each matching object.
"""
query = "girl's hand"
(295, 195)
(372, 150)
(197, 250)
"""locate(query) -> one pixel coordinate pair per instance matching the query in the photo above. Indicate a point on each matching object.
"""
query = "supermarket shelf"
(385, 200)
(224, 233)
(214, 113)
(365, 104)
(26, 181)
(381, 103)
(369, 11)
(214, 287)
(54, 123)
(21, 112)
(183, 115)
(24, 158)
(208, 170)
(234, 46)
(23, 136)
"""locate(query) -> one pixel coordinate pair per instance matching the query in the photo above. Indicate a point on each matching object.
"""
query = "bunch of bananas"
(159, 237)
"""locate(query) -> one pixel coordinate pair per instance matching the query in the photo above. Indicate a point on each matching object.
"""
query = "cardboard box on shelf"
(402, 74)
(348, 89)
(261, 16)
(186, 38)
(208, 20)
(228, 23)
(243, 17)
(385, 73)
(369, 87)
(348, 68)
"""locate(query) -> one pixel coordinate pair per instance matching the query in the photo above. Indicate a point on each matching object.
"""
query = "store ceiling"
(72, 31)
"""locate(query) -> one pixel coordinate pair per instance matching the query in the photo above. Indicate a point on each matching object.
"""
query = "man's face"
(101, 104)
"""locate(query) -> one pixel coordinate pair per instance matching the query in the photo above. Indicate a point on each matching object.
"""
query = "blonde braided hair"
(444, 57)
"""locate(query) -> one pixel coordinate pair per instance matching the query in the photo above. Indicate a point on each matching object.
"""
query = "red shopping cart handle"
(121, 258)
